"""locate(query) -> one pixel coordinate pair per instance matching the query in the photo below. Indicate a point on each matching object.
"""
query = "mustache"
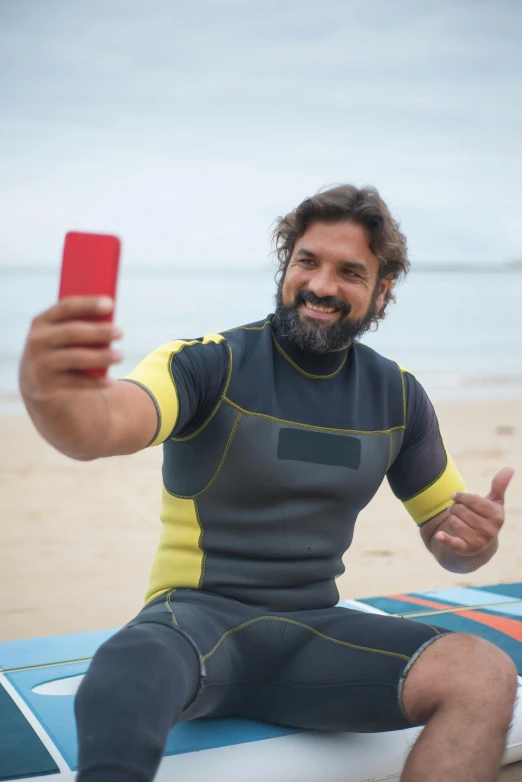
(328, 301)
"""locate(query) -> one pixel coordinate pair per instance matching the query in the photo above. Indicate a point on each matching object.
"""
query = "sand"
(78, 538)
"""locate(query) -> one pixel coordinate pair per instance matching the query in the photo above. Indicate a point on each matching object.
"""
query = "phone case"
(90, 268)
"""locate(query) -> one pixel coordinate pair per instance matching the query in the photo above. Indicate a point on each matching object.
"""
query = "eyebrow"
(357, 265)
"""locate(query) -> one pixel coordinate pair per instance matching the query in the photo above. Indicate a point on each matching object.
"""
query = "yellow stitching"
(169, 607)
(216, 408)
(171, 357)
(220, 465)
(389, 451)
(307, 374)
(200, 545)
(403, 395)
(307, 426)
(305, 627)
(248, 328)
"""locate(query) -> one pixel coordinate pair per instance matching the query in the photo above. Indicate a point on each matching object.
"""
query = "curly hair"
(358, 205)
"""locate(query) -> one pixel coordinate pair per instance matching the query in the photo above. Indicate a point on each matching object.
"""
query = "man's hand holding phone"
(69, 347)
(63, 373)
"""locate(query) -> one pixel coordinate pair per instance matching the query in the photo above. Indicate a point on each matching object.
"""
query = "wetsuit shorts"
(332, 668)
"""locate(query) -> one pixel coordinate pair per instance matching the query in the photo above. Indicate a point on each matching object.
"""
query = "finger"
(499, 484)
(480, 505)
(474, 521)
(76, 359)
(72, 307)
(478, 532)
(80, 332)
(453, 542)
(81, 381)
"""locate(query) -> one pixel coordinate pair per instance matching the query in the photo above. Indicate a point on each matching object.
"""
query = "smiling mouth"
(318, 310)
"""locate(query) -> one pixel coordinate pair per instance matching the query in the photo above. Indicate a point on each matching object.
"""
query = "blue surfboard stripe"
(22, 753)
(52, 648)
(466, 596)
(414, 609)
(454, 622)
(513, 591)
(56, 715)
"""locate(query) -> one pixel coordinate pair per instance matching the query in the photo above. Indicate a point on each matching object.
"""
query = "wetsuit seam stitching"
(390, 451)
(200, 546)
(169, 607)
(309, 426)
(434, 481)
(302, 371)
(248, 328)
(404, 401)
(293, 622)
(216, 407)
(218, 470)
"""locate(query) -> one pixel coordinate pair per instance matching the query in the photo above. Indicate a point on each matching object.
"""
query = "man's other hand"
(474, 522)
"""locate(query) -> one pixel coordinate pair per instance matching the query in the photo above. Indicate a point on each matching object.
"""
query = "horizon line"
(428, 265)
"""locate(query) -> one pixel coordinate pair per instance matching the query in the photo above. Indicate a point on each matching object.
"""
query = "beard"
(313, 335)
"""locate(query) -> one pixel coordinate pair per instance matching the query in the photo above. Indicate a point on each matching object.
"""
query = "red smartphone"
(90, 268)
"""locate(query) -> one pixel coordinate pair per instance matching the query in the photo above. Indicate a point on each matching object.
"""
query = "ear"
(383, 288)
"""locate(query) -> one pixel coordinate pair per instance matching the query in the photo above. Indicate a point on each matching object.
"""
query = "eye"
(306, 261)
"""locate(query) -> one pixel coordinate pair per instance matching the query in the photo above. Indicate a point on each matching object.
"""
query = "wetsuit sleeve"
(185, 380)
(423, 475)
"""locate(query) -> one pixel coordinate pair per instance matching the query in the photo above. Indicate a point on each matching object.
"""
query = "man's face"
(331, 290)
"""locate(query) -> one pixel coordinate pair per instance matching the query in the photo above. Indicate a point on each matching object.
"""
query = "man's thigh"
(328, 669)
(339, 669)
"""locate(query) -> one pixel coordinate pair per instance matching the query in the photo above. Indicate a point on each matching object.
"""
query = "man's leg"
(136, 687)
(464, 689)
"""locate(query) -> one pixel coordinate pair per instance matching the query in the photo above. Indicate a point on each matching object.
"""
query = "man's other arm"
(460, 529)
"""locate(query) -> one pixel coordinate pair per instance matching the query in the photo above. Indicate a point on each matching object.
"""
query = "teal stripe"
(468, 596)
(513, 591)
(22, 754)
(453, 622)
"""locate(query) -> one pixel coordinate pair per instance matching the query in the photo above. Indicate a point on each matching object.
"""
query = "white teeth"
(319, 308)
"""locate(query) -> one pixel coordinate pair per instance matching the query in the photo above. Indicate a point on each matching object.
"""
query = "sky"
(187, 127)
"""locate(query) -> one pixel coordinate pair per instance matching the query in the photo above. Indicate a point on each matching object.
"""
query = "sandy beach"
(78, 538)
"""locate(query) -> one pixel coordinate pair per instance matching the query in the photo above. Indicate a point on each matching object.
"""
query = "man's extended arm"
(465, 536)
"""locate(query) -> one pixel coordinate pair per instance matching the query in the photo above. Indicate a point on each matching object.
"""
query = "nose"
(323, 283)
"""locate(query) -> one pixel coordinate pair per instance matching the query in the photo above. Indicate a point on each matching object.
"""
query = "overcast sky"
(188, 127)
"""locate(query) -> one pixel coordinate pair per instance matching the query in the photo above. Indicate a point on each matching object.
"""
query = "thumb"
(499, 484)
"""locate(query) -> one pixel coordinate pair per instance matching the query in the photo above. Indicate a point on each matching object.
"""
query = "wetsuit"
(270, 453)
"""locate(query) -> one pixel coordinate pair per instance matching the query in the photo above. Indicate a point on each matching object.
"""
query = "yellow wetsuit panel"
(154, 374)
(436, 497)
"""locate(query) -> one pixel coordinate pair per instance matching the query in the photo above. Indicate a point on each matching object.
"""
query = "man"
(275, 436)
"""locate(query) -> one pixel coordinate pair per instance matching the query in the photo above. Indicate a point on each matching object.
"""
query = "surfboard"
(39, 677)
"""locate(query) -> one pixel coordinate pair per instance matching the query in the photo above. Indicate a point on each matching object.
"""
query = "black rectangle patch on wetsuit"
(335, 450)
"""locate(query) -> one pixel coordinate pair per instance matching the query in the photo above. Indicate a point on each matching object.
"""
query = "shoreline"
(443, 388)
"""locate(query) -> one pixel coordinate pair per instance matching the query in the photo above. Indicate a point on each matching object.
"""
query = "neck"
(309, 361)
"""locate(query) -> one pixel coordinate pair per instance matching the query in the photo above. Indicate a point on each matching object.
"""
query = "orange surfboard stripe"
(511, 627)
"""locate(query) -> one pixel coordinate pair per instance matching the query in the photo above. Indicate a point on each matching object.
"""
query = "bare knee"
(460, 670)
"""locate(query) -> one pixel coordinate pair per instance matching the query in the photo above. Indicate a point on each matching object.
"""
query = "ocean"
(459, 331)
